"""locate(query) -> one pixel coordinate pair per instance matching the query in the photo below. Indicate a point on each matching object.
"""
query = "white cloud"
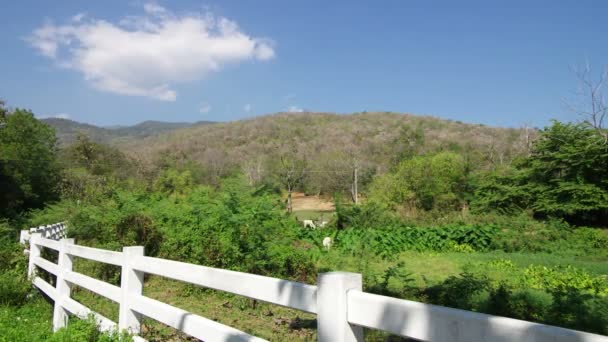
(247, 108)
(78, 17)
(146, 55)
(57, 116)
(294, 109)
(155, 9)
(205, 108)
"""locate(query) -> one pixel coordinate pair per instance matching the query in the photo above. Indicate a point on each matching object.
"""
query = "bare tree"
(292, 170)
(526, 137)
(591, 102)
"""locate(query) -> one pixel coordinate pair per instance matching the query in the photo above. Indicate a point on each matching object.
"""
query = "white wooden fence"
(54, 231)
(342, 308)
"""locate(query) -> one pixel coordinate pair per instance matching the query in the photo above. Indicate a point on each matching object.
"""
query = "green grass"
(32, 321)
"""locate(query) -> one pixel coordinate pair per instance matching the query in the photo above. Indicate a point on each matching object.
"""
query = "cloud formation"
(294, 109)
(145, 55)
(205, 108)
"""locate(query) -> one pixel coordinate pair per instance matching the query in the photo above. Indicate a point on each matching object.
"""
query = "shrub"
(578, 310)
(458, 292)
(14, 286)
(87, 330)
(524, 304)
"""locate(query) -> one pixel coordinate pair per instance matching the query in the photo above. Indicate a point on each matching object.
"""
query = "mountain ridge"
(67, 130)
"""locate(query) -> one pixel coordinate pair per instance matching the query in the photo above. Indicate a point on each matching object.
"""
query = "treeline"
(564, 176)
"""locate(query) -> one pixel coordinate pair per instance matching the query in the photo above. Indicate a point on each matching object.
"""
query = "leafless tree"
(591, 100)
(526, 137)
(292, 170)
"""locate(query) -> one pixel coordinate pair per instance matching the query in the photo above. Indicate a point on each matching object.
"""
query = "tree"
(28, 167)
(591, 103)
(434, 182)
(97, 159)
(291, 172)
(564, 176)
(408, 143)
(568, 166)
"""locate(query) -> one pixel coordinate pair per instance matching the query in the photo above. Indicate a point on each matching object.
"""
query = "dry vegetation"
(331, 144)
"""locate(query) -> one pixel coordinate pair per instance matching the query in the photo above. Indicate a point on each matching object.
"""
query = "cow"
(327, 243)
(309, 224)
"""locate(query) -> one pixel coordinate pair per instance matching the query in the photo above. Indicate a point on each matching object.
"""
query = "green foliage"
(91, 170)
(14, 285)
(409, 142)
(458, 292)
(565, 176)
(28, 168)
(524, 304)
(503, 190)
(236, 226)
(30, 322)
(394, 281)
(172, 181)
(555, 278)
(578, 310)
(388, 243)
(436, 182)
(561, 305)
(368, 215)
(87, 330)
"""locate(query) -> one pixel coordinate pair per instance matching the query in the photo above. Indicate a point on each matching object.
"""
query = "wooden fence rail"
(342, 308)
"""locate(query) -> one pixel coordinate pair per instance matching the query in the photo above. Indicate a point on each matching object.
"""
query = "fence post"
(24, 236)
(332, 311)
(34, 253)
(64, 263)
(131, 284)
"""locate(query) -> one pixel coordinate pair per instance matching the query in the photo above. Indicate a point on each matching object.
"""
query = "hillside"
(330, 143)
(67, 130)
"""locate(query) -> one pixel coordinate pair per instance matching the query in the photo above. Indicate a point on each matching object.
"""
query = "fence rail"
(342, 308)
(54, 231)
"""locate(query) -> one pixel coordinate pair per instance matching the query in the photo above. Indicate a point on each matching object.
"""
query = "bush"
(578, 310)
(235, 227)
(86, 330)
(14, 285)
(524, 304)
(458, 292)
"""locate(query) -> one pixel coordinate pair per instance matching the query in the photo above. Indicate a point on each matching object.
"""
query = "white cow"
(327, 243)
(309, 224)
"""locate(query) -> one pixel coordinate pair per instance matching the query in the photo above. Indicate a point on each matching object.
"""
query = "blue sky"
(118, 62)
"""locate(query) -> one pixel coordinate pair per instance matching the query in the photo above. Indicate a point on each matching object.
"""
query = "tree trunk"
(289, 208)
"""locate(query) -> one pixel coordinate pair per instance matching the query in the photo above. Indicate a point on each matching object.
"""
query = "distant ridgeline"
(68, 130)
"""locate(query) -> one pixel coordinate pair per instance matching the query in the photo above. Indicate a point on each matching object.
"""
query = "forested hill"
(330, 142)
(67, 130)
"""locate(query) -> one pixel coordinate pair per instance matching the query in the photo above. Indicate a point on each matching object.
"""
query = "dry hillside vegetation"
(330, 144)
